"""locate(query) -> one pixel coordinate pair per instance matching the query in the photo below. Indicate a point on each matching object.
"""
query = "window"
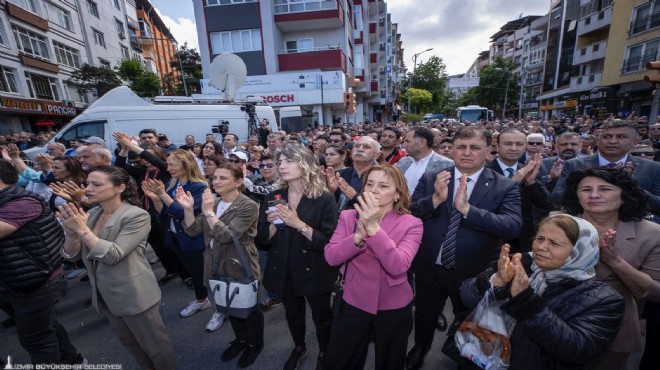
(98, 38)
(7, 80)
(42, 87)
(358, 56)
(640, 54)
(30, 43)
(120, 29)
(357, 17)
(116, 3)
(645, 17)
(145, 29)
(236, 41)
(104, 63)
(93, 8)
(2, 34)
(28, 5)
(228, 2)
(73, 94)
(300, 45)
(58, 16)
(124, 52)
(66, 55)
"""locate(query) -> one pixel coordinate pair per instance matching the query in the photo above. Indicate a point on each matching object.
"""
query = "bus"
(473, 113)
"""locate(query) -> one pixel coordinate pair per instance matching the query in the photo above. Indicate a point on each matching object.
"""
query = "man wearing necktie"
(614, 144)
(467, 210)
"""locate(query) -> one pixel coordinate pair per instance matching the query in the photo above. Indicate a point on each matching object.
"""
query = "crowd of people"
(373, 226)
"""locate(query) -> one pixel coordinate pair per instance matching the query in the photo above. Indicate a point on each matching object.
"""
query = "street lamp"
(412, 84)
(506, 91)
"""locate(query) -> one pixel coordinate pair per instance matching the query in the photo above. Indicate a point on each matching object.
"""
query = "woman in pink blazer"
(374, 246)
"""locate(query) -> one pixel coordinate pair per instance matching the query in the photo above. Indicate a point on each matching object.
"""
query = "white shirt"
(504, 167)
(471, 183)
(604, 162)
(415, 171)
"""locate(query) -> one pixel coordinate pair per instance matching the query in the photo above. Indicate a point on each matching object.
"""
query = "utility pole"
(414, 76)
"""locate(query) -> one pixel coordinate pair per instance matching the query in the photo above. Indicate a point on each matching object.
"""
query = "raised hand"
(520, 280)
(461, 199)
(185, 199)
(331, 179)
(555, 171)
(208, 201)
(609, 251)
(13, 151)
(441, 187)
(289, 216)
(122, 139)
(505, 268)
(155, 186)
(367, 208)
(345, 188)
(73, 219)
(147, 191)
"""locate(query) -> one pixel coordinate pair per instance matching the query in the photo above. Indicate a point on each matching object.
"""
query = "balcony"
(136, 42)
(535, 64)
(374, 86)
(595, 21)
(329, 58)
(644, 24)
(373, 58)
(590, 52)
(586, 83)
(308, 15)
(638, 63)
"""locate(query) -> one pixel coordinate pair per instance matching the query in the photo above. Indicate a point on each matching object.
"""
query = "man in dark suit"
(569, 145)
(467, 211)
(614, 144)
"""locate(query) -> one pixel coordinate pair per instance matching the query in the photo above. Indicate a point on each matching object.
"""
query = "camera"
(222, 128)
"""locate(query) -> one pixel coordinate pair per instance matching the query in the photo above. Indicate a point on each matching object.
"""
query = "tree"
(94, 80)
(432, 77)
(192, 71)
(492, 87)
(421, 99)
(142, 82)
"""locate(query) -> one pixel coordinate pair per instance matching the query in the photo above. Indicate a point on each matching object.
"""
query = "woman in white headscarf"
(558, 315)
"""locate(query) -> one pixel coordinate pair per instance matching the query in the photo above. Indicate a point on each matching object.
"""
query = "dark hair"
(8, 173)
(234, 135)
(73, 166)
(393, 129)
(619, 124)
(509, 131)
(236, 171)
(201, 148)
(148, 131)
(422, 132)
(323, 137)
(470, 132)
(217, 147)
(218, 159)
(163, 137)
(267, 157)
(342, 150)
(119, 176)
(570, 134)
(568, 225)
(635, 202)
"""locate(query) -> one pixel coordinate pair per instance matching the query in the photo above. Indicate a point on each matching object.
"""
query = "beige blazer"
(639, 245)
(241, 218)
(117, 267)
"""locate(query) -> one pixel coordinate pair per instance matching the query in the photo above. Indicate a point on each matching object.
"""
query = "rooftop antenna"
(228, 73)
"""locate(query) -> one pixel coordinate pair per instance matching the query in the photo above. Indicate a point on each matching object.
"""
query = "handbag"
(338, 292)
(234, 297)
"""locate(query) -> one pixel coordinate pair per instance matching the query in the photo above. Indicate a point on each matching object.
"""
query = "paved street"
(194, 348)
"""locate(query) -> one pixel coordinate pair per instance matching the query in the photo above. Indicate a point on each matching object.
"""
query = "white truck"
(122, 110)
(473, 113)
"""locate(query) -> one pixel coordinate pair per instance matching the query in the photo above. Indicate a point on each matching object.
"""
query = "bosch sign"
(286, 98)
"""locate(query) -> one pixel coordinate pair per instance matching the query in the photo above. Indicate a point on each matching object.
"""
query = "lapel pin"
(486, 184)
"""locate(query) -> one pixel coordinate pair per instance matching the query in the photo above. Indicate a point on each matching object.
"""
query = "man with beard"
(389, 141)
(347, 183)
(421, 158)
(568, 147)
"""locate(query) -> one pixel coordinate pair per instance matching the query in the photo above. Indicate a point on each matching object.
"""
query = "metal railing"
(593, 7)
(299, 6)
(318, 48)
(638, 63)
(644, 23)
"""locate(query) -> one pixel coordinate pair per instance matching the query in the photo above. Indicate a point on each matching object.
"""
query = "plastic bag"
(482, 337)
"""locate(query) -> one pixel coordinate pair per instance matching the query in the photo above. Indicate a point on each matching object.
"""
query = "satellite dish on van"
(228, 73)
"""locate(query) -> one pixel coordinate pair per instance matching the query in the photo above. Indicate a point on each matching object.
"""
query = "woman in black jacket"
(297, 232)
(561, 316)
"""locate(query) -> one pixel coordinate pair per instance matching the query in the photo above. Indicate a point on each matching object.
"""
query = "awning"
(635, 86)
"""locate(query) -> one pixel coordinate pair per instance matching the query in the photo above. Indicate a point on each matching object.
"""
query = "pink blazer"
(377, 271)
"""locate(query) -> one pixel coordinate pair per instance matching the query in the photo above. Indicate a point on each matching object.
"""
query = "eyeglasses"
(267, 165)
(637, 154)
(534, 143)
(335, 141)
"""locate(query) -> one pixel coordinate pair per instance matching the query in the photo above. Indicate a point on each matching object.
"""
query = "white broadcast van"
(122, 110)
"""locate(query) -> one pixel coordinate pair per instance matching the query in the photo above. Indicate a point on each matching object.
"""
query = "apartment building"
(532, 63)
(308, 53)
(157, 44)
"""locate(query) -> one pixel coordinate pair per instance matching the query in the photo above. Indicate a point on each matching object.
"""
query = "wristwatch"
(304, 229)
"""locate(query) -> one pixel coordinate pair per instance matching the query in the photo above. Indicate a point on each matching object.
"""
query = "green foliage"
(142, 82)
(94, 80)
(411, 117)
(493, 87)
(421, 99)
(192, 71)
(430, 76)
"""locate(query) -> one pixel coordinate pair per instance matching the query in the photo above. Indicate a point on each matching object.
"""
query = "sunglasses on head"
(267, 165)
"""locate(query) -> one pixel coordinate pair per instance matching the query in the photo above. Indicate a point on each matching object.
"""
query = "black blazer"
(347, 174)
(291, 251)
(494, 216)
(647, 174)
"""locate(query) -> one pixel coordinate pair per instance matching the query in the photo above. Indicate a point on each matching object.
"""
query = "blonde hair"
(313, 182)
(402, 206)
(193, 173)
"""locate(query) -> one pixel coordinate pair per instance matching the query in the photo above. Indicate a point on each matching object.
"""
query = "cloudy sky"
(457, 30)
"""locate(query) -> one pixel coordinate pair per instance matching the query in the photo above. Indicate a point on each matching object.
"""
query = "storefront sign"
(532, 105)
(547, 107)
(592, 97)
(59, 110)
(20, 105)
(570, 103)
(560, 104)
